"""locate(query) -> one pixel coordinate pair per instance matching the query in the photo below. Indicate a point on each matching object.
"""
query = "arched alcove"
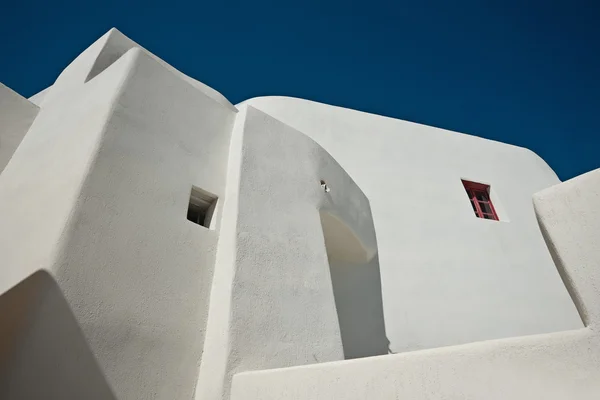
(356, 285)
(340, 240)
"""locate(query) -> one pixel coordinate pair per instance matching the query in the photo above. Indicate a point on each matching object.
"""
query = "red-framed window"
(479, 195)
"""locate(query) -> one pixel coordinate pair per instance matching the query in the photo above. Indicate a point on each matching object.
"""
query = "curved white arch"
(341, 242)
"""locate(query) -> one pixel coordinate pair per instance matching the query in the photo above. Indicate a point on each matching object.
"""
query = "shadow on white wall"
(43, 352)
(357, 290)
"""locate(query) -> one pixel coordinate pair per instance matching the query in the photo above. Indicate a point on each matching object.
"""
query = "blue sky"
(521, 72)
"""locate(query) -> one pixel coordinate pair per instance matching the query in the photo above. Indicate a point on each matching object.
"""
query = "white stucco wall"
(153, 151)
(44, 354)
(98, 197)
(38, 98)
(16, 116)
(292, 281)
(447, 277)
(41, 184)
(561, 365)
(282, 306)
(359, 305)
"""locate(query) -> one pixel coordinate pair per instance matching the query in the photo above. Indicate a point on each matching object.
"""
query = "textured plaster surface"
(213, 373)
(100, 55)
(16, 116)
(43, 353)
(357, 291)
(112, 161)
(282, 306)
(447, 277)
(49, 167)
(561, 365)
(294, 278)
(150, 266)
(38, 98)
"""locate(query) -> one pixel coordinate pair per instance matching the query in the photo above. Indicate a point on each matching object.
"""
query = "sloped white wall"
(130, 241)
(98, 197)
(282, 306)
(447, 277)
(44, 354)
(38, 98)
(39, 189)
(97, 192)
(16, 116)
(561, 365)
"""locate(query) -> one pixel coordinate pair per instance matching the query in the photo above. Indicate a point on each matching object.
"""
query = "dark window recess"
(201, 207)
(479, 195)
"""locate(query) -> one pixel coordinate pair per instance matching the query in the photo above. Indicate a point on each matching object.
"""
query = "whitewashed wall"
(282, 310)
(558, 366)
(97, 195)
(391, 258)
(16, 116)
(448, 277)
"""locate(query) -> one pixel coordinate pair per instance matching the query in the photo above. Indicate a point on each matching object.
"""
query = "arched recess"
(356, 285)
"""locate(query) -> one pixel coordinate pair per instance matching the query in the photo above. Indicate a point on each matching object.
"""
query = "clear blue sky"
(521, 72)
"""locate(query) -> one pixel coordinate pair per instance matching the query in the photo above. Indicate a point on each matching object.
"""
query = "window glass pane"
(481, 195)
(485, 207)
(488, 216)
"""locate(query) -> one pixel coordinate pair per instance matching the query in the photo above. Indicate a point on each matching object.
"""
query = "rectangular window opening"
(479, 196)
(201, 207)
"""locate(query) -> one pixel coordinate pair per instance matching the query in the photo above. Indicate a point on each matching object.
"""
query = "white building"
(247, 252)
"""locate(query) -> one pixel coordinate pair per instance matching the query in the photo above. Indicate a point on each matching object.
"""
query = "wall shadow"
(356, 282)
(562, 272)
(43, 352)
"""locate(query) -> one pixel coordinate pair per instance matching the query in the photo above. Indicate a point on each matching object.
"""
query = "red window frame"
(479, 196)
